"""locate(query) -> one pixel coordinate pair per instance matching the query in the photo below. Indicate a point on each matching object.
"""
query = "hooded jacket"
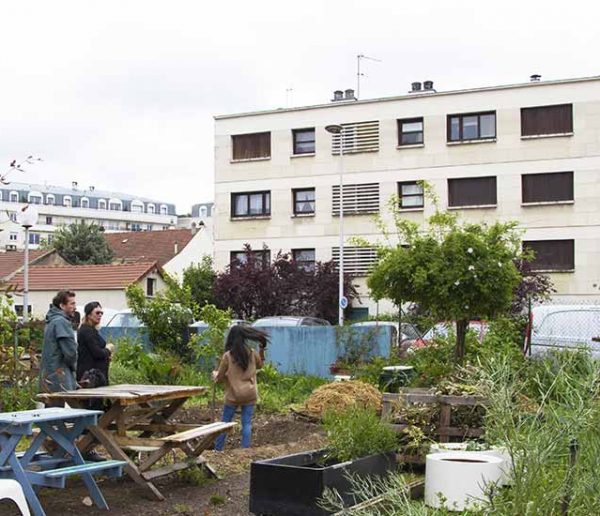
(59, 353)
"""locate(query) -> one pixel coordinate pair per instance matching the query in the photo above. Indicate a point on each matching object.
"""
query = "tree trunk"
(461, 333)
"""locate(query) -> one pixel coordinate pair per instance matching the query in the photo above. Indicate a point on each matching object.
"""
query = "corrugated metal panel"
(358, 261)
(358, 199)
(356, 137)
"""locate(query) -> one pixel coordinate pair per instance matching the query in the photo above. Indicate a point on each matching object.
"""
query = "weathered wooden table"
(34, 468)
(138, 420)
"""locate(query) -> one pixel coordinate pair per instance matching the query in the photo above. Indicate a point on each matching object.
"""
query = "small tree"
(454, 270)
(200, 279)
(82, 244)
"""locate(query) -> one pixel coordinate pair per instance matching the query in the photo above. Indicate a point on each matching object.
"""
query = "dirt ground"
(189, 494)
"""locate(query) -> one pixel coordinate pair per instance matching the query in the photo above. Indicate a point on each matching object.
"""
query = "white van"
(565, 326)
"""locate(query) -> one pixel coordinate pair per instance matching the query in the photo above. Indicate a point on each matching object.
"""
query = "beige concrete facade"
(507, 157)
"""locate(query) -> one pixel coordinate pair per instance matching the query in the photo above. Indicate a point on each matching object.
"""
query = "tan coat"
(240, 385)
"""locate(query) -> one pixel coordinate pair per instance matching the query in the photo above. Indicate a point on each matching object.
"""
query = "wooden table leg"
(107, 440)
(166, 413)
(86, 442)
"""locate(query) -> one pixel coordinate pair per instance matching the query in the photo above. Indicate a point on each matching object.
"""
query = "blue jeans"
(228, 412)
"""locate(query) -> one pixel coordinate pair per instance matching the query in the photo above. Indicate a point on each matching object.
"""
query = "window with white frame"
(34, 198)
(137, 207)
(13, 237)
(67, 201)
(151, 208)
(34, 238)
(85, 202)
(101, 204)
(13, 216)
(49, 199)
(410, 194)
(115, 205)
(164, 209)
(14, 197)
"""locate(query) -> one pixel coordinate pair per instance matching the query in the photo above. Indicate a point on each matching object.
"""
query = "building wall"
(507, 157)
(199, 246)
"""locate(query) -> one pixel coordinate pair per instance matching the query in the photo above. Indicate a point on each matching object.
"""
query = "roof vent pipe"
(415, 86)
(535, 77)
(349, 94)
(338, 95)
(428, 85)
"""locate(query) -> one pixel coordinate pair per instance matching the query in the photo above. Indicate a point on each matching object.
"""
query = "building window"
(13, 237)
(136, 226)
(137, 207)
(67, 201)
(101, 204)
(252, 204)
(304, 141)
(164, 209)
(85, 203)
(547, 187)
(49, 238)
(358, 261)
(411, 195)
(48, 220)
(304, 201)
(472, 191)
(547, 120)
(50, 199)
(114, 206)
(151, 208)
(14, 197)
(262, 257)
(472, 126)
(34, 238)
(356, 137)
(149, 227)
(552, 255)
(410, 131)
(304, 258)
(358, 199)
(13, 216)
(35, 199)
(251, 146)
(150, 286)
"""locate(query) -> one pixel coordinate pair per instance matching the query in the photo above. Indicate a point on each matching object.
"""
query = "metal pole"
(26, 279)
(341, 268)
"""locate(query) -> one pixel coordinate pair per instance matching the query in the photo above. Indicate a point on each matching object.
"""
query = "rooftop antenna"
(359, 74)
(289, 96)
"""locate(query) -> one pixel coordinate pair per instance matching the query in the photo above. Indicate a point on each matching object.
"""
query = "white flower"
(499, 264)
(470, 250)
(471, 267)
(457, 283)
(466, 307)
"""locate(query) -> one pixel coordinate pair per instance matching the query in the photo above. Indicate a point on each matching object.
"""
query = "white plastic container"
(457, 480)
(496, 451)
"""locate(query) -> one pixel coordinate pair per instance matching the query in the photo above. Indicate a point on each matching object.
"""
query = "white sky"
(120, 94)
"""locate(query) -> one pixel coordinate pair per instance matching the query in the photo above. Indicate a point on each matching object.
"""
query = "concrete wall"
(199, 246)
(506, 157)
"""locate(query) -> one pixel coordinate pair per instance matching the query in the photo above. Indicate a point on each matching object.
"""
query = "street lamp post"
(342, 301)
(27, 217)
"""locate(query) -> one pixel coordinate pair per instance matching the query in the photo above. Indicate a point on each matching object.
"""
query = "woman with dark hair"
(238, 371)
(93, 351)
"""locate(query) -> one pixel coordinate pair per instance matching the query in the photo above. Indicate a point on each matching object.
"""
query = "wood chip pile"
(340, 395)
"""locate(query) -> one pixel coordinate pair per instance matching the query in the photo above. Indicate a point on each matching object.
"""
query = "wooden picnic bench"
(34, 468)
(139, 420)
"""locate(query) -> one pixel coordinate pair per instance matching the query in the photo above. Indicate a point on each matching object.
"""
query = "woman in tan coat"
(237, 371)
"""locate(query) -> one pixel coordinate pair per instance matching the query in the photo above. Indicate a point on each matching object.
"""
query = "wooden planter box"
(444, 430)
(293, 485)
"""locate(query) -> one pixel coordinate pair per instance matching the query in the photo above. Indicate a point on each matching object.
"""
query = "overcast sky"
(120, 94)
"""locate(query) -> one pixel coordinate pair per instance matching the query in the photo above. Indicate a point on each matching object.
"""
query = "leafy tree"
(200, 278)
(456, 271)
(254, 288)
(166, 316)
(82, 244)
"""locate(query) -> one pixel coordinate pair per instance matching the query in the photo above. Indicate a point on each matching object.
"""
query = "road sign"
(343, 302)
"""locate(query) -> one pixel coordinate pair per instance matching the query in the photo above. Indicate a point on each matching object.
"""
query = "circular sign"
(343, 302)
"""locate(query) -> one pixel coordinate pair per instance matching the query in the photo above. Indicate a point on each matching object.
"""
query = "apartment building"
(59, 206)
(528, 152)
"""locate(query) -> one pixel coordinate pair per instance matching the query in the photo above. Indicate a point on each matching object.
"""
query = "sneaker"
(93, 456)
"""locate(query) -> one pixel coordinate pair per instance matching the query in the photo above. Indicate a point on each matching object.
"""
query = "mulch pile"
(341, 395)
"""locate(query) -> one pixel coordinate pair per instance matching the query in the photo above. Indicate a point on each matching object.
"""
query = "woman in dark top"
(92, 350)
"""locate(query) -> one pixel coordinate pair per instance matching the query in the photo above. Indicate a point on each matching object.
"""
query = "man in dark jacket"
(59, 352)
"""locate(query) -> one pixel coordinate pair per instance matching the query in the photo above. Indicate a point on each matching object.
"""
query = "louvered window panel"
(358, 261)
(356, 137)
(358, 199)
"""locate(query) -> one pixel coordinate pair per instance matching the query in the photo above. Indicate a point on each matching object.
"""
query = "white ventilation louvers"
(358, 261)
(358, 199)
(356, 137)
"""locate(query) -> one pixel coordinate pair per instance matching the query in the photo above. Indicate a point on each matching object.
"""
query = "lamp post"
(27, 217)
(342, 301)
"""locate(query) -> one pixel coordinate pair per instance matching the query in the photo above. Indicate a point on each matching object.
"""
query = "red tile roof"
(85, 277)
(12, 261)
(148, 246)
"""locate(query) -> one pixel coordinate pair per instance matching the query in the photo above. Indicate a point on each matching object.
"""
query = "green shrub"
(121, 374)
(357, 432)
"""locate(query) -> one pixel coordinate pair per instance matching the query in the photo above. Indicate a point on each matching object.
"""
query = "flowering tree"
(456, 271)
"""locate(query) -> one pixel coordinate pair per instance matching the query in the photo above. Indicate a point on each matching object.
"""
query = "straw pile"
(340, 395)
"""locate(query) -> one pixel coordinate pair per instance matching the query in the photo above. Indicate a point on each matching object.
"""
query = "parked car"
(124, 319)
(409, 331)
(443, 329)
(288, 320)
(202, 325)
(565, 326)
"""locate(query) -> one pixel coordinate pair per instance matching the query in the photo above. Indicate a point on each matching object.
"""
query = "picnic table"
(34, 468)
(139, 420)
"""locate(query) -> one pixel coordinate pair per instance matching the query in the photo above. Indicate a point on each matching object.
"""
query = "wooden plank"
(201, 431)
(431, 397)
(160, 427)
(452, 431)
(445, 419)
(155, 456)
(125, 440)
(171, 468)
